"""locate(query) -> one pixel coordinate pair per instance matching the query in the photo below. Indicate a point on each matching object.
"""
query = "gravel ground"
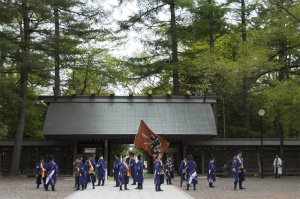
(24, 187)
(256, 188)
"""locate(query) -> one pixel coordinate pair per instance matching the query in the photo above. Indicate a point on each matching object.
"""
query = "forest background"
(246, 52)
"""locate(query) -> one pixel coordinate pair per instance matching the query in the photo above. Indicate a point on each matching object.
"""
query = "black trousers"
(52, 187)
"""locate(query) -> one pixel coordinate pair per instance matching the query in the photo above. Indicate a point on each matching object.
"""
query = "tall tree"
(24, 72)
(169, 29)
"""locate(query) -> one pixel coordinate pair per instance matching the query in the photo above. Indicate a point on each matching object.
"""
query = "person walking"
(238, 170)
(191, 173)
(277, 164)
(211, 177)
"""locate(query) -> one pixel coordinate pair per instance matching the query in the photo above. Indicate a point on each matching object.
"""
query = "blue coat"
(39, 173)
(82, 174)
(90, 175)
(182, 170)
(237, 169)
(123, 168)
(140, 173)
(169, 169)
(101, 167)
(191, 167)
(158, 172)
(132, 165)
(51, 167)
(116, 169)
(211, 176)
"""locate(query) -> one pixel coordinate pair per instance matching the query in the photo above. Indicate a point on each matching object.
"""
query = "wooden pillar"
(215, 111)
(184, 148)
(106, 155)
(202, 161)
(75, 152)
(150, 165)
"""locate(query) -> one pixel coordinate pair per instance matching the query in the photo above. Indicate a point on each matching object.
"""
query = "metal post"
(106, 156)
(261, 147)
(202, 162)
(224, 119)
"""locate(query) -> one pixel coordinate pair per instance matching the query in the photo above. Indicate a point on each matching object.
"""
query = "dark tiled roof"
(121, 115)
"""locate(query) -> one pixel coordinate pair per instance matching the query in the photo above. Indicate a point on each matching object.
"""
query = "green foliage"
(283, 103)
(258, 71)
(3, 130)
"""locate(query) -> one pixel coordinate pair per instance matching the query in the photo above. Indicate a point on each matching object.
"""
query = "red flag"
(149, 141)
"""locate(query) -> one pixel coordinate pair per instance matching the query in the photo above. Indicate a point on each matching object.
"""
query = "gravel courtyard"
(256, 188)
(24, 187)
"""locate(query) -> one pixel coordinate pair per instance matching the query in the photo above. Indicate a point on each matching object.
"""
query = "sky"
(131, 44)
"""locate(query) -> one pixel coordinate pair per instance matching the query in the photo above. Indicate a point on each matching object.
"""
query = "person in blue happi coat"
(158, 173)
(238, 170)
(117, 163)
(169, 169)
(89, 168)
(140, 172)
(191, 173)
(101, 169)
(124, 173)
(182, 171)
(211, 176)
(132, 166)
(76, 171)
(51, 172)
(81, 175)
(40, 173)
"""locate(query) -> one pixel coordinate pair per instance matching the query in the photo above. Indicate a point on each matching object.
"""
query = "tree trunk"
(174, 46)
(211, 27)
(23, 92)
(85, 81)
(56, 53)
(280, 133)
(243, 18)
(247, 115)
(282, 58)
(247, 85)
(2, 58)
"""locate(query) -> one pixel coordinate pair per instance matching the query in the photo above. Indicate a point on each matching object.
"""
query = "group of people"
(187, 170)
(86, 171)
(124, 167)
(46, 173)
